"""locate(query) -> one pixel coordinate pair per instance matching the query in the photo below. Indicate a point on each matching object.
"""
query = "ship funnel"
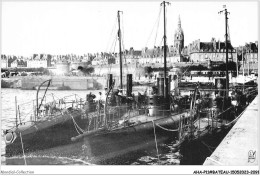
(109, 81)
(220, 84)
(160, 85)
(129, 85)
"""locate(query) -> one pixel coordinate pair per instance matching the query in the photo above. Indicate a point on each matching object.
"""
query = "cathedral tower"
(178, 39)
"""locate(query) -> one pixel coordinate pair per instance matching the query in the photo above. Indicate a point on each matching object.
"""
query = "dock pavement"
(240, 146)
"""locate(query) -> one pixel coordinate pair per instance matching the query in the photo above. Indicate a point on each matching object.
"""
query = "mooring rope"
(155, 140)
(206, 146)
(23, 149)
(90, 123)
(77, 127)
(170, 130)
(236, 118)
(209, 158)
(212, 147)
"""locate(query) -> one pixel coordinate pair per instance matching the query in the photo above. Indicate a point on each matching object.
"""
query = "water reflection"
(44, 160)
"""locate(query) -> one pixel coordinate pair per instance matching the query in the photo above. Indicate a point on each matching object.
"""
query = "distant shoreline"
(58, 82)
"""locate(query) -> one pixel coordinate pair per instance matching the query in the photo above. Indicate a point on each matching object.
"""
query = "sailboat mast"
(227, 78)
(243, 68)
(120, 53)
(243, 61)
(248, 61)
(226, 38)
(164, 49)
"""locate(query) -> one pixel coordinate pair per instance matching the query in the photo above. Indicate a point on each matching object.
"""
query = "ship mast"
(120, 55)
(226, 38)
(164, 48)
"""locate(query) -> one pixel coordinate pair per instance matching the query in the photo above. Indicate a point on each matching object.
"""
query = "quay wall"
(98, 81)
(64, 83)
(58, 82)
(240, 146)
(11, 82)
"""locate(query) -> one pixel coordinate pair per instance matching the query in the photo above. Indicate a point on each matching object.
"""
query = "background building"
(249, 60)
(210, 51)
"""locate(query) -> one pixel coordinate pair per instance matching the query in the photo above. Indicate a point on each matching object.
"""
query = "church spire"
(179, 22)
(178, 38)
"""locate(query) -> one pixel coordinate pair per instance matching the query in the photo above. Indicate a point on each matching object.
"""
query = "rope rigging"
(156, 23)
(157, 27)
(112, 50)
(111, 34)
(108, 44)
(23, 149)
(155, 139)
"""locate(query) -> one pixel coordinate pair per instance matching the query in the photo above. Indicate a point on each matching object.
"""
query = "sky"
(65, 27)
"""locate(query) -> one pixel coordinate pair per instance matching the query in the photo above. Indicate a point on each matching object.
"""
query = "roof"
(209, 46)
(12, 59)
(137, 53)
(156, 51)
(252, 46)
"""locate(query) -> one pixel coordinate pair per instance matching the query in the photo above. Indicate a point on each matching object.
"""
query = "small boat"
(214, 116)
(50, 124)
(146, 120)
(211, 125)
(123, 124)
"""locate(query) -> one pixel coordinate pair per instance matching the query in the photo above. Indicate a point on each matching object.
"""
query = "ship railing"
(211, 119)
(51, 106)
(219, 117)
(123, 114)
(120, 116)
(251, 90)
(242, 85)
(251, 93)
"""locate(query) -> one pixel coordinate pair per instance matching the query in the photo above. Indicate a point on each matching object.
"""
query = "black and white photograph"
(158, 87)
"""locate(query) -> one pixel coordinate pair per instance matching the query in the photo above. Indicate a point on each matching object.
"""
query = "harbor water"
(167, 154)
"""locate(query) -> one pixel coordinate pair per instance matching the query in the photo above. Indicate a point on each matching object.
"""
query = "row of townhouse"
(13, 62)
(197, 51)
(40, 60)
